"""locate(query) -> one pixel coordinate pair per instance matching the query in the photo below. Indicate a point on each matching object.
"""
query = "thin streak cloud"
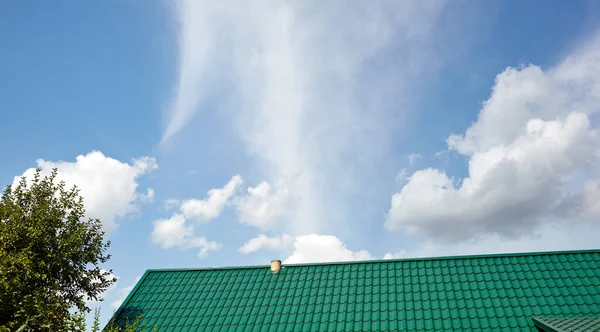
(311, 87)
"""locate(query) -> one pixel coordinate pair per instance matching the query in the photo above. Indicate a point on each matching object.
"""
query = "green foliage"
(129, 327)
(49, 257)
(96, 323)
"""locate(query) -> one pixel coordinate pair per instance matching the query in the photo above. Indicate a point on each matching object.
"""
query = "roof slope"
(488, 292)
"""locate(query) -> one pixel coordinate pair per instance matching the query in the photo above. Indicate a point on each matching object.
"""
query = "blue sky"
(193, 128)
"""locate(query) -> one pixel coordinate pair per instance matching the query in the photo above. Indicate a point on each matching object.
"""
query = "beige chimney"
(275, 265)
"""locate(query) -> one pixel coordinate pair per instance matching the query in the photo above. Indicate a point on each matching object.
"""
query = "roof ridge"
(534, 253)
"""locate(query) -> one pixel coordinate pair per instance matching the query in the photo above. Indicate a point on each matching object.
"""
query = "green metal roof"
(485, 292)
(567, 324)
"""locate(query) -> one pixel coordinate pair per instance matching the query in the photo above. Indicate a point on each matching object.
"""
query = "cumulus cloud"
(264, 205)
(308, 93)
(175, 232)
(530, 154)
(306, 248)
(211, 207)
(108, 186)
(171, 232)
(263, 241)
(323, 248)
(510, 188)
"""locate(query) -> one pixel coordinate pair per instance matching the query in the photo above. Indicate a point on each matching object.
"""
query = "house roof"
(487, 292)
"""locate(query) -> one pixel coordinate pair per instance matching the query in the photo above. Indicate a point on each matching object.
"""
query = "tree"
(96, 323)
(49, 257)
(128, 326)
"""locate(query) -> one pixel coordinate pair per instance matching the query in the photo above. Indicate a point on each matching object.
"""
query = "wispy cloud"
(311, 86)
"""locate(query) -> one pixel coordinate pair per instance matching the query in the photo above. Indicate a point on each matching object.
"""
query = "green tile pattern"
(469, 293)
(584, 323)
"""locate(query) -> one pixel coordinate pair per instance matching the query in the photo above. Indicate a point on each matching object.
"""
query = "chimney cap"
(275, 265)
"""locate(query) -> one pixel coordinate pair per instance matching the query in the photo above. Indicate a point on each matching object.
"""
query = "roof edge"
(535, 253)
(124, 303)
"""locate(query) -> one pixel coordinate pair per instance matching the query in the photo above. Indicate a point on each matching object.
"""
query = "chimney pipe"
(275, 265)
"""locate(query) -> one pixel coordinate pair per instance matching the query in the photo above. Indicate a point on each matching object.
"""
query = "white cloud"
(413, 158)
(264, 205)
(171, 232)
(323, 248)
(532, 146)
(108, 186)
(309, 94)
(525, 93)
(204, 245)
(397, 255)
(177, 232)
(510, 188)
(211, 207)
(174, 232)
(263, 241)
